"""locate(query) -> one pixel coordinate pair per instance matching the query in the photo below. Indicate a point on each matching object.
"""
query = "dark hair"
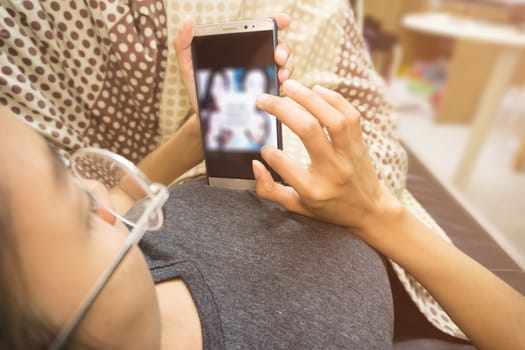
(20, 326)
(209, 100)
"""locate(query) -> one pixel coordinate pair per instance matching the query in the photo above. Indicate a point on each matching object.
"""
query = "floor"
(495, 192)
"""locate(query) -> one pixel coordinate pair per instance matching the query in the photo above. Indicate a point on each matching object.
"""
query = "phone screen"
(231, 70)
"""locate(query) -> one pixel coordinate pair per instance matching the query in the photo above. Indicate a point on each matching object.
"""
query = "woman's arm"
(341, 186)
(488, 311)
(173, 158)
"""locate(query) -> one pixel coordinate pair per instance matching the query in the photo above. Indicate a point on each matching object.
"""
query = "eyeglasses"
(141, 200)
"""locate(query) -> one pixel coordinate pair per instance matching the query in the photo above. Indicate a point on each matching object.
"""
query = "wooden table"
(509, 44)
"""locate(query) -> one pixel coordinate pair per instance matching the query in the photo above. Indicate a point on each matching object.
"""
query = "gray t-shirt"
(263, 278)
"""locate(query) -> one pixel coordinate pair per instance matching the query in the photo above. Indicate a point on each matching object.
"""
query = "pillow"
(86, 73)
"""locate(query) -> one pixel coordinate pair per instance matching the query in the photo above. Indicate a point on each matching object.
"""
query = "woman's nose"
(103, 200)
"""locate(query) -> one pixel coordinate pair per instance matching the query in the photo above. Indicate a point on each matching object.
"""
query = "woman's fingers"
(334, 120)
(282, 51)
(268, 189)
(283, 57)
(290, 170)
(282, 20)
(352, 115)
(324, 111)
(185, 35)
(299, 121)
(340, 185)
(284, 60)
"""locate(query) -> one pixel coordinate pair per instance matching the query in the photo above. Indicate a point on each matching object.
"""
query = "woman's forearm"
(179, 154)
(491, 313)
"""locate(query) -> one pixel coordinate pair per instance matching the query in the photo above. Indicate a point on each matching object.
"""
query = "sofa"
(411, 330)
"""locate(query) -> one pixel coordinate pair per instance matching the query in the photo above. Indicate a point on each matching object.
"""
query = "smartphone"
(233, 63)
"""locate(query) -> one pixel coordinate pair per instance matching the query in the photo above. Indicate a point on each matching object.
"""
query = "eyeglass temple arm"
(134, 237)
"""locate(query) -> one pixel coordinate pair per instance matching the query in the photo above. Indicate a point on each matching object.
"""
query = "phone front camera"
(245, 27)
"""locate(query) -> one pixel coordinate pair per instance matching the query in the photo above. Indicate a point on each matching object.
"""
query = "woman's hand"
(182, 45)
(340, 185)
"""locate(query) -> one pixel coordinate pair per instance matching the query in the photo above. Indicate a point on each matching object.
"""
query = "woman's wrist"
(386, 214)
(180, 153)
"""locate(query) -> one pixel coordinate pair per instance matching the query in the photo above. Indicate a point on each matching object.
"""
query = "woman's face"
(64, 247)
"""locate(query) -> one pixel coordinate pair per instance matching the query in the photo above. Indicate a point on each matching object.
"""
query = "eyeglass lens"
(130, 190)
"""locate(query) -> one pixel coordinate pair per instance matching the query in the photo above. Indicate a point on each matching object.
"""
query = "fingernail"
(255, 168)
(265, 151)
(184, 22)
(291, 85)
(320, 88)
(260, 99)
(282, 54)
(285, 74)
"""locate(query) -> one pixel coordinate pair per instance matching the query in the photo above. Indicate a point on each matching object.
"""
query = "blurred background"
(455, 71)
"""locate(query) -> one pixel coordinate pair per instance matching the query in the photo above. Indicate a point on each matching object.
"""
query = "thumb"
(182, 44)
(268, 189)
(264, 183)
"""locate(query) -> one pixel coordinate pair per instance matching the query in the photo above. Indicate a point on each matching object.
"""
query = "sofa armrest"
(411, 329)
(465, 231)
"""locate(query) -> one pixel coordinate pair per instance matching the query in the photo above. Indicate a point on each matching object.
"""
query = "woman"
(232, 271)
(340, 186)
(291, 200)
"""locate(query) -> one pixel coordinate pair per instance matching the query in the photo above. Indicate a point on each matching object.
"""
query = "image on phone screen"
(233, 64)
(230, 119)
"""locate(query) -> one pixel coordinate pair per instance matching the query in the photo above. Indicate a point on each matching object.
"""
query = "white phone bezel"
(243, 26)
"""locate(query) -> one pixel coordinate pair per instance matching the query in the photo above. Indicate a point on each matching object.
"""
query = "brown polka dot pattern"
(365, 89)
(94, 167)
(86, 73)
